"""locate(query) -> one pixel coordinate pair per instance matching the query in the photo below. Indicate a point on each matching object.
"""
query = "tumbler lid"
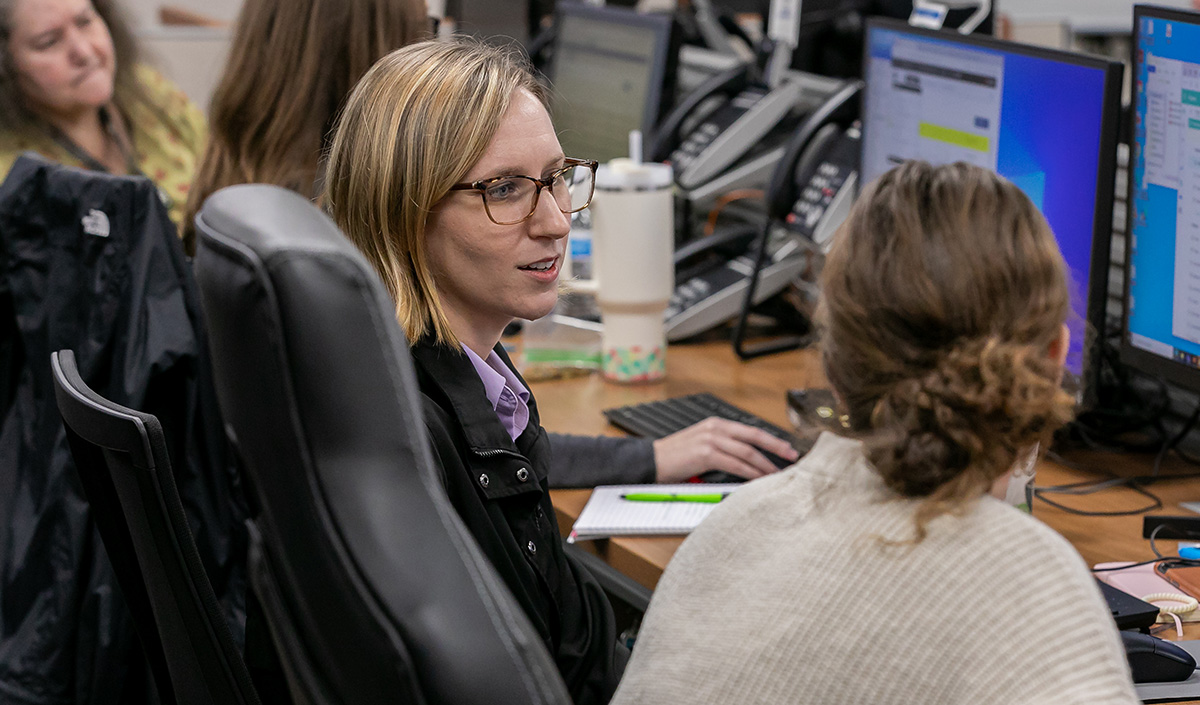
(623, 174)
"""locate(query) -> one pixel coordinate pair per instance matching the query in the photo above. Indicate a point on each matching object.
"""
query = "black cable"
(1122, 407)
(1169, 561)
(1136, 483)
(1130, 565)
(1155, 503)
(1153, 536)
(1174, 441)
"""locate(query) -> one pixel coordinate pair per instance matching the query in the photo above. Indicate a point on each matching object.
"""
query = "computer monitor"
(1161, 327)
(902, 9)
(831, 32)
(613, 70)
(1044, 119)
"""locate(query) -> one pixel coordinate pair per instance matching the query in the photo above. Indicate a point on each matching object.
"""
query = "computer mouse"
(719, 476)
(1153, 660)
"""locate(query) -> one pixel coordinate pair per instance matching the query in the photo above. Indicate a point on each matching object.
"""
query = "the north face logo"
(96, 223)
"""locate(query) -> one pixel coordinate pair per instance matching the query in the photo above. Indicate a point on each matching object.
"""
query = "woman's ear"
(1059, 346)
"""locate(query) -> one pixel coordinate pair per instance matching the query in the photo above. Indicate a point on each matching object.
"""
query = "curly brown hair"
(941, 296)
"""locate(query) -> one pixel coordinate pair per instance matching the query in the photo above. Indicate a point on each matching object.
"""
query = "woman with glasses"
(308, 54)
(446, 172)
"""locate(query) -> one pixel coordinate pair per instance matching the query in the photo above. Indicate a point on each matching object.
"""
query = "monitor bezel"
(1131, 355)
(1095, 323)
(665, 60)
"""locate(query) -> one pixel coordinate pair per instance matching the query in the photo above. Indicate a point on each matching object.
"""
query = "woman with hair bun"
(886, 566)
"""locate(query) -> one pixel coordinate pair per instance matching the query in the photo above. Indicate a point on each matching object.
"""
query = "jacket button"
(532, 548)
(484, 480)
(522, 474)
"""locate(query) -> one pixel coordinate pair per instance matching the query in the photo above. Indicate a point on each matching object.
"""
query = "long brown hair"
(15, 115)
(291, 66)
(415, 125)
(941, 296)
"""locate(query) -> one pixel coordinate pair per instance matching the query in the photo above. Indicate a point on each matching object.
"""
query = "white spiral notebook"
(609, 513)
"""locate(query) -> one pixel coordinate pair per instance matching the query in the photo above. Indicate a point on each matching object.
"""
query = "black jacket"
(498, 488)
(91, 262)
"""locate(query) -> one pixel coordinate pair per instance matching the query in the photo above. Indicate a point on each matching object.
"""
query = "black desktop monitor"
(901, 9)
(831, 32)
(1161, 331)
(1046, 120)
(613, 70)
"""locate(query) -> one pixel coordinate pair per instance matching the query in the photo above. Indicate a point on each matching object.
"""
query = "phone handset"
(812, 187)
(722, 120)
(804, 153)
(709, 293)
(695, 107)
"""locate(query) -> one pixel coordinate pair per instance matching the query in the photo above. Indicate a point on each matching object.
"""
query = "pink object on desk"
(1142, 581)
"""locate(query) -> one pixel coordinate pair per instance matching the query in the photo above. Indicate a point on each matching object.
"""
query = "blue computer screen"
(1034, 120)
(1164, 279)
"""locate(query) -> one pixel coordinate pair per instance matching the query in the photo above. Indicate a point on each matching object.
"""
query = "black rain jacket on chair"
(90, 262)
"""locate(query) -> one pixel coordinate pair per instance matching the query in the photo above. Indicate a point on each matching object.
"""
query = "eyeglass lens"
(511, 200)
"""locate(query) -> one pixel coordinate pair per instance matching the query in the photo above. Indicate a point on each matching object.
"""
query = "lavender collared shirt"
(504, 391)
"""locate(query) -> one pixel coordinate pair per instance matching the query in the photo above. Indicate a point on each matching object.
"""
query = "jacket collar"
(452, 372)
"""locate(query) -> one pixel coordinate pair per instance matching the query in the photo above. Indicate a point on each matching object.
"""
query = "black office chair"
(121, 458)
(373, 589)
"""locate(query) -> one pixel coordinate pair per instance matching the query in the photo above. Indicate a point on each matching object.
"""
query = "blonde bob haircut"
(414, 126)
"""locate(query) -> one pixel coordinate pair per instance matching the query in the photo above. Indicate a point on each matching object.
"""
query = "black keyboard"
(656, 419)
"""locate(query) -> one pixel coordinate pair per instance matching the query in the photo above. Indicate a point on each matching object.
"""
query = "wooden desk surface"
(573, 406)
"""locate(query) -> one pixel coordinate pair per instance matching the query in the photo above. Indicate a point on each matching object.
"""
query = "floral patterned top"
(167, 154)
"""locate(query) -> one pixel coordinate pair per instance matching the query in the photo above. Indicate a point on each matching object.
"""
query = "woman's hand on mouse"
(717, 444)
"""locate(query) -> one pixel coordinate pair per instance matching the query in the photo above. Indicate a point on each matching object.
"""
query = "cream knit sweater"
(785, 595)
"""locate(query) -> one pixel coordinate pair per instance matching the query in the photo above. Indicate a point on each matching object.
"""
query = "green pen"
(710, 497)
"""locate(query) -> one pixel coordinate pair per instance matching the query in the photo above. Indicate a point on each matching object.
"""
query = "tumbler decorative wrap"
(634, 364)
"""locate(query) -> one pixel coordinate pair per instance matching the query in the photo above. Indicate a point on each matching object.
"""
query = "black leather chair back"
(373, 589)
(121, 457)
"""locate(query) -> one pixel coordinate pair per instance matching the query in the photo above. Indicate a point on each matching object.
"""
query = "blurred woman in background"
(290, 68)
(71, 89)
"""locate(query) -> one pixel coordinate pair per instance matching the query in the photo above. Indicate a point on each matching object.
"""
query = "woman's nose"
(79, 48)
(548, 218)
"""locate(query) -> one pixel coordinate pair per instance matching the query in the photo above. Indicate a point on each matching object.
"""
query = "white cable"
(1187, 603)
(983, 7)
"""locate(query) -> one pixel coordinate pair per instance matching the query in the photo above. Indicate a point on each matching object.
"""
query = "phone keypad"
(708, 131)
(816, 197)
